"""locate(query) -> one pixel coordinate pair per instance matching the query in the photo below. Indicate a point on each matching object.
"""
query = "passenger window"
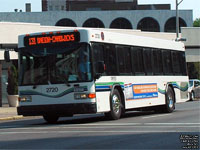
(124, 59)
(167, 62)
(110, 60)
(98, 55)
(148, 61)
(183, 63)
(157, 62)
(176, 63)
(137, 60)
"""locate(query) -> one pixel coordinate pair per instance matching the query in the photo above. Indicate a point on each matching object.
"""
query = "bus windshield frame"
(66, 64)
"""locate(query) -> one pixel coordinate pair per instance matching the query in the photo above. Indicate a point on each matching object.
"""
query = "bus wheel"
(170, 101)
(50, 118)
(115, 106)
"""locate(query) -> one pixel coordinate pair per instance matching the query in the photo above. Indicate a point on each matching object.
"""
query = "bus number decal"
(52, 90)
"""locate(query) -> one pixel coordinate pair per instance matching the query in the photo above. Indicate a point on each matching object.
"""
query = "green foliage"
(12, 87)
(194, 70)
(197, 23)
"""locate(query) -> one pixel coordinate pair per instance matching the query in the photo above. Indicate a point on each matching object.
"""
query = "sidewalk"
(9, 113)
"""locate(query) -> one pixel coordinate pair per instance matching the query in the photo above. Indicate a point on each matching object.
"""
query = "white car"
(194, 88)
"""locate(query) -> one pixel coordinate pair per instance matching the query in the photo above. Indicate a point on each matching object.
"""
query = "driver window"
(196, 84)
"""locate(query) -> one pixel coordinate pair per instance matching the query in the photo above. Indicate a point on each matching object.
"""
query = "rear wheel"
(170, 101)
(51, 118)
(115, 106)
(192, 96)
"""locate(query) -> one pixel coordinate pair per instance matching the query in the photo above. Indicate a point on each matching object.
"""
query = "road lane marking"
(99, 125)
(110, 131)
(172, 123)
(156, 116)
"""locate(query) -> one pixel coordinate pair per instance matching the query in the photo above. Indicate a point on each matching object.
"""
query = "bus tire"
(50, 118)
(115, 106)
(170, 101)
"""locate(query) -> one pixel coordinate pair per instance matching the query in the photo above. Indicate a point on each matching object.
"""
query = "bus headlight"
(25, 98)
(80, 96)
(84, 96)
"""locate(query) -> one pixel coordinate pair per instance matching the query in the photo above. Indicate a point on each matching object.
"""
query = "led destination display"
(49, 39)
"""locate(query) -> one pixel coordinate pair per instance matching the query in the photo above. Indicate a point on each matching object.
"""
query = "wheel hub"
(171, 102)
(115, 103)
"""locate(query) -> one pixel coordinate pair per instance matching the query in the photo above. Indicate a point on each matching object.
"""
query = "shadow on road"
(77, 119)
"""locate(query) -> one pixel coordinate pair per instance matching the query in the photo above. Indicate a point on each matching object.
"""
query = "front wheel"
(50, 118)
(115, 106)
(170, 101)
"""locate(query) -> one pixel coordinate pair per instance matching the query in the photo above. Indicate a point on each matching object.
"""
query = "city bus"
(89, 71)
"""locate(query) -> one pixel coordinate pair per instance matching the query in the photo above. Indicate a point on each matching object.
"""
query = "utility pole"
(177, 19)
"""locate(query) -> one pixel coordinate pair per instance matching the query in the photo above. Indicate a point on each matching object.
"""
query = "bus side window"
(183, 63)
(167, 62)
(148, 61)
(110, 59)
(176, 63)
(137, 61)
(157, 62)
(124, 59)
(98, 55)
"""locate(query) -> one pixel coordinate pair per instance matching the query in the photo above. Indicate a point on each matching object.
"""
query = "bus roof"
(114, 36)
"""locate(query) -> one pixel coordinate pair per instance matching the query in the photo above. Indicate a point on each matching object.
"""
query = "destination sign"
(51, 39)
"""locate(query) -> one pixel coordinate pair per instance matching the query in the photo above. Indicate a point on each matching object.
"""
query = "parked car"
(194, 89)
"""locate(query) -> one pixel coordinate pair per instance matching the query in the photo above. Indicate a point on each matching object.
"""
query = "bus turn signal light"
(92, 95)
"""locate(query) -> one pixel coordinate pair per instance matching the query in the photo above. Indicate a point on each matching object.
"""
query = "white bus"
(97, 71)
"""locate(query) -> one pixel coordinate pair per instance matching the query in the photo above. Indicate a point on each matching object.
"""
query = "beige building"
(192, 43)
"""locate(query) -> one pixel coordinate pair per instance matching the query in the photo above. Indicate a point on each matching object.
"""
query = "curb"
(12, 118)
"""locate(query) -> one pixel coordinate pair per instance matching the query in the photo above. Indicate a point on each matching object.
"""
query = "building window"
(62, 7)
(121, 23)
(170, 25)
(148, 24)
(56, 8)
(50, 8)
(66, 23)
(93, 23)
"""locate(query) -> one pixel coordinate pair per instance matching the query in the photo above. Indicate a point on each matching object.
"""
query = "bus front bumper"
(58, 109)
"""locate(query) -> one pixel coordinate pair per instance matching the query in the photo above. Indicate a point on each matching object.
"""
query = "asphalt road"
(137, 130)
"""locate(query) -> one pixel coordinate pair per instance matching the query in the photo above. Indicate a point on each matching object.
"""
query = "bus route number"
(52, 90)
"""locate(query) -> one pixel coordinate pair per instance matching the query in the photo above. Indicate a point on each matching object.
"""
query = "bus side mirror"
(7, 55)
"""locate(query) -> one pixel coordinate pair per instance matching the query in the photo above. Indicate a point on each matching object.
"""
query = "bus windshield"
(55, 65)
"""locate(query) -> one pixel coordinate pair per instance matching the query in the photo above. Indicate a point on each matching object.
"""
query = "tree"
(12, 88)
(193, 70)
(197, 23)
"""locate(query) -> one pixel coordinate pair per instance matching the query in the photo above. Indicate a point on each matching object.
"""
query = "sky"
(10, 5)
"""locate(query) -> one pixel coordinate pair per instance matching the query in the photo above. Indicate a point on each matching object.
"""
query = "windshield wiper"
(39, 80)
(64, 77)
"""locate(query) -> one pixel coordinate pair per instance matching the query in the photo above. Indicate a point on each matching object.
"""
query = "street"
(136, 130)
